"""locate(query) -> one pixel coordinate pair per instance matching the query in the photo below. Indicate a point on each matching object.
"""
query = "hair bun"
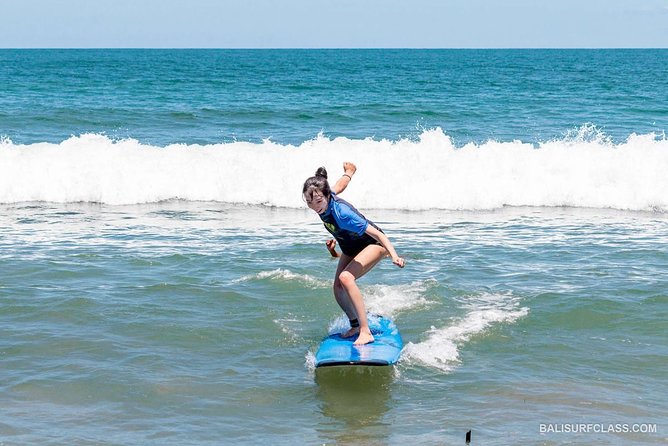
(321, 172)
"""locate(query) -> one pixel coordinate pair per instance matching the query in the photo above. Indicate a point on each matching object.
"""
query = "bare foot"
(350, 333)
(363, 338)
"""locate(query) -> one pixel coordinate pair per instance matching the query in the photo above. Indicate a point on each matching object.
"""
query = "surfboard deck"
(385, 350)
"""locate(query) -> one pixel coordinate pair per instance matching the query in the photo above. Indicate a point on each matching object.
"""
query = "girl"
(363, 245)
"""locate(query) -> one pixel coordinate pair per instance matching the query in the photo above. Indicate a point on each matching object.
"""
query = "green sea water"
(196, 323)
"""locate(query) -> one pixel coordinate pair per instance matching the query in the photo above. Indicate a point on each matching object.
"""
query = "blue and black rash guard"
(348, 226)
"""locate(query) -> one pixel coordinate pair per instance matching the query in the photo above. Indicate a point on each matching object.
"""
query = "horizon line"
(329, 48)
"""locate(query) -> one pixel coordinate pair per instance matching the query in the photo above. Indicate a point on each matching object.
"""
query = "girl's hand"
(399, 262)
(331, 246)
(349, 168)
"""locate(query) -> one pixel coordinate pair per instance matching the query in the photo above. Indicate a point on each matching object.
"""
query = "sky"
(334, 24)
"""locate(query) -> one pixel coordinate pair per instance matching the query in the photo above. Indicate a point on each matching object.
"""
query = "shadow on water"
(355, 398)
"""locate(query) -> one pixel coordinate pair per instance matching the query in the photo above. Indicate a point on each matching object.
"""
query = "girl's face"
(318, 202)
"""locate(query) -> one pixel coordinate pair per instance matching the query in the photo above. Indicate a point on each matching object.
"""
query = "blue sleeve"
(351, 220)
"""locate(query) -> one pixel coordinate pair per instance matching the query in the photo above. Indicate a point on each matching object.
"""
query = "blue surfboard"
(384, 350)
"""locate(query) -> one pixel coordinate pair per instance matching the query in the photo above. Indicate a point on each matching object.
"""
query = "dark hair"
(319, 183)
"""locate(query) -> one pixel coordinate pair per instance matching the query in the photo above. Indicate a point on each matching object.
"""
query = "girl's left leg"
(359, 266)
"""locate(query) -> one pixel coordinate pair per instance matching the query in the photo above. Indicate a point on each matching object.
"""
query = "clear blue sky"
(333, 23)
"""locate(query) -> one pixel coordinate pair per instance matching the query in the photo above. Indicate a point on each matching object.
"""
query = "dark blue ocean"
(163, 282)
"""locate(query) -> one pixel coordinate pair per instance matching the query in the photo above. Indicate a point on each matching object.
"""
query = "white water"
(441, 347)
(582, 171)
(284, 275)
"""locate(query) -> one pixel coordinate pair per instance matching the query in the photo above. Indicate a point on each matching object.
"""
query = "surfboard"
(383, 351)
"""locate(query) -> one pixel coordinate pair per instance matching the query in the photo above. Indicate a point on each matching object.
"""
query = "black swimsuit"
(348, 226)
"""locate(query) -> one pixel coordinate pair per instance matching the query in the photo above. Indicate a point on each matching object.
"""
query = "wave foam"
(585, 169)
(441, 348)
(284, 275)
(388, 300)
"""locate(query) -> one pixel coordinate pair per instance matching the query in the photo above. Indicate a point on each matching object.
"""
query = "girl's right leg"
(342, 297)
(359, 266)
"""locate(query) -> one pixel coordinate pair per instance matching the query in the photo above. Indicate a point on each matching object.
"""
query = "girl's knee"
(346, 278)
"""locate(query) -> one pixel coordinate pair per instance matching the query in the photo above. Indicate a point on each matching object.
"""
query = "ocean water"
(162, 282)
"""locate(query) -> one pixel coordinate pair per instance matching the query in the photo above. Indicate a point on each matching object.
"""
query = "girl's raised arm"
(348, 172)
